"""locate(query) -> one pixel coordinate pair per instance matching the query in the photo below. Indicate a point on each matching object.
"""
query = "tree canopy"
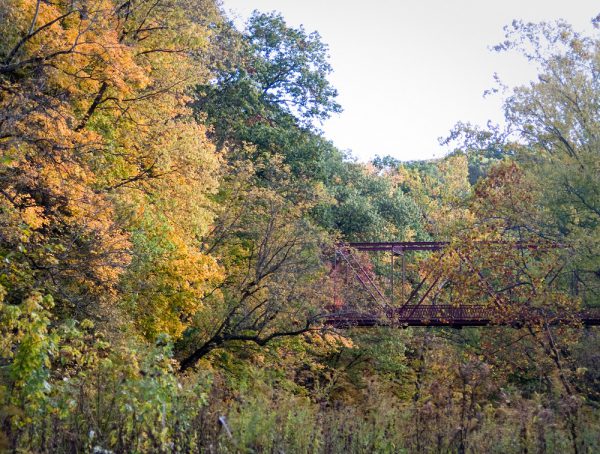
(171, 217)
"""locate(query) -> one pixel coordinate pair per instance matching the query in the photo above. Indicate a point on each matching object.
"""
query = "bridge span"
(422, 307)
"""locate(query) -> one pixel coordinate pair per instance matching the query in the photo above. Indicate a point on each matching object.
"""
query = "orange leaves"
(95, 128)
(506, 189)
(79, 44)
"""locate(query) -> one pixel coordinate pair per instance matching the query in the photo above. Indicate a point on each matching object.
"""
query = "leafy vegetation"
(168, 211)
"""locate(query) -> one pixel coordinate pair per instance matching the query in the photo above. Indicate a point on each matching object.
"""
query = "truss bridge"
(477, 283)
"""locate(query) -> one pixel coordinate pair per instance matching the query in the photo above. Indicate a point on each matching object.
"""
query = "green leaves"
(68, 377)
(290, 68)
(278, 90)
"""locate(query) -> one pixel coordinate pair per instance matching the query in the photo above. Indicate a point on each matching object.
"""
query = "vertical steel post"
(392, 266)
(335, 254)
(403, 277)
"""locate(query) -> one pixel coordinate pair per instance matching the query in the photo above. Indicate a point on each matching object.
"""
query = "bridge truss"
(432, 292)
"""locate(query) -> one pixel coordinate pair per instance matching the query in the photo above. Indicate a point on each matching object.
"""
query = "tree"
(362, 205)
(273, 95)
(55, 235)
(101, 158)
(271, 252)
(440, 190)
(557, 122)
(290, 68)
(283, 73)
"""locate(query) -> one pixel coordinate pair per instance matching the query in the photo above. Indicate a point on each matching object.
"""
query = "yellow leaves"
(168, 279)
(328, 341)
(441, 191)
(336, 339)
(33, 217)
(84, 48)
(99, 55)
(170, 214)
(98, 119)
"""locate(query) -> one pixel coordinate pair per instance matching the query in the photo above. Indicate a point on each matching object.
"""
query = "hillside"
(169, 210)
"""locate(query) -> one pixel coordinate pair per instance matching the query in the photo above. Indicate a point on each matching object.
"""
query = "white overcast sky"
(407, 71)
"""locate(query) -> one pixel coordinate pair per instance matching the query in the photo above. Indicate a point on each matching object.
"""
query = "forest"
(168, 210)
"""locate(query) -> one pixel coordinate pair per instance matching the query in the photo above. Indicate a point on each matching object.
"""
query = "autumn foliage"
(169, 211)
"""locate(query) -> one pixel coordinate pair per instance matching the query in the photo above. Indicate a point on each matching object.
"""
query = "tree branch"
(31, 33)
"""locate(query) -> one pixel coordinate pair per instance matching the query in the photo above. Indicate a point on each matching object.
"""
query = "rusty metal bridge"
(360, 299)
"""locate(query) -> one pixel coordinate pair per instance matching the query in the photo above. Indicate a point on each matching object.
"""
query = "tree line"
(167, 204)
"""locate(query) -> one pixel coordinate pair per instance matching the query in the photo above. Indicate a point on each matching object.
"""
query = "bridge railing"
(457, 316)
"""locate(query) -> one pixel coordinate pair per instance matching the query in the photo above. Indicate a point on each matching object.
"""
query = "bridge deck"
(454, 316)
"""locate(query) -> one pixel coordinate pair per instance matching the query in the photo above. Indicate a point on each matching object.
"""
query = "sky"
(408, 71)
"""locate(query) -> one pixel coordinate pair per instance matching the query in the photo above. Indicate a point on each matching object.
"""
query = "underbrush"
(65, 389)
